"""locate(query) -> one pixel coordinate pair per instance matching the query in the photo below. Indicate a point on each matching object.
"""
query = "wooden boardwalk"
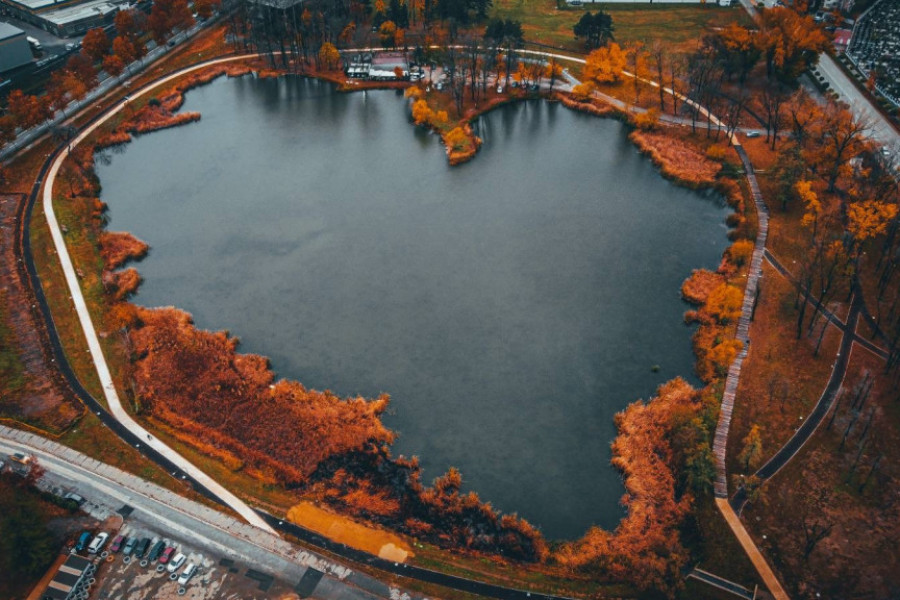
(720, 441)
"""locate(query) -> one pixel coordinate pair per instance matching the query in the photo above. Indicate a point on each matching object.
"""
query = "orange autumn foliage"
(121, 284)
(646, 548)
(699, 285)
(724, 303)
(198, 376)
(719, 305)
(677, 158)
(605, 65)
(118, 247)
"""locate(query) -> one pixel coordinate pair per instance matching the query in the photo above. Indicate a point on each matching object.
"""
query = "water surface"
(510, 306)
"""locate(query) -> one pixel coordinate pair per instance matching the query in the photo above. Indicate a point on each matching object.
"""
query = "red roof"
(842, 37)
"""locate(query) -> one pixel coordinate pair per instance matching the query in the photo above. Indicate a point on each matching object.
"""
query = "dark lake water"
(510, 306)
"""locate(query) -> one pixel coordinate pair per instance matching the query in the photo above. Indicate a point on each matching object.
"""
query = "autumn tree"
(329, 57)
(736, 49)
(812, 206)
(506, 35)
(96, 44)
(605, 65)
(82, 67)
(724, 303)
(751, 454)
(113, 64)
(843, 136)
(773, 98)
(386, 33)
(659, 56)
(167, 15)
(128, 25)
(790, 43)
(27, 110)
(553, 71)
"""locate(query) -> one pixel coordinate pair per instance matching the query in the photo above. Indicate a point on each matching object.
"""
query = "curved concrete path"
(235, 503)
(90, 333)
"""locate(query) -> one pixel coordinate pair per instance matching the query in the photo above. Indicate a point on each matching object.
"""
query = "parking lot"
(133, 578)
(130, 576)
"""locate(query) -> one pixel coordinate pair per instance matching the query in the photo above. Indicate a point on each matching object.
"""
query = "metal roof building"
(63, 18)
(14, 48)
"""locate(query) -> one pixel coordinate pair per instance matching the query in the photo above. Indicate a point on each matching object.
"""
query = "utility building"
(14, 48)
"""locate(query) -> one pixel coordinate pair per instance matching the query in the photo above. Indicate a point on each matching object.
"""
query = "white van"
(98, 542)
(187, 573)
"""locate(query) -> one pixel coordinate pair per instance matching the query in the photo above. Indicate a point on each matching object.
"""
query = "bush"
(716, 152)
(740, 252)
(647, 120)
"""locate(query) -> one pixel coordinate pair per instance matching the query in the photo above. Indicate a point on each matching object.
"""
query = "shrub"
(740, 252)
(647, 120)
(716, 152)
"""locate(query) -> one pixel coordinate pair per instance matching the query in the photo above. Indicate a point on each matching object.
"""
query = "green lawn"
(676, 25)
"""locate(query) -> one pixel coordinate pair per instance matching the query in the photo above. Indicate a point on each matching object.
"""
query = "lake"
(510, 306)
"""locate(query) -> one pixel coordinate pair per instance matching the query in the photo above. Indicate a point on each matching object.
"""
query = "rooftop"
(8, 31)
(76, 12)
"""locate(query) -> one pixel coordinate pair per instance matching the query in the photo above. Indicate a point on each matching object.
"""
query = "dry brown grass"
(118, 247)
(677, 158)
(594, 107)
(697, 287)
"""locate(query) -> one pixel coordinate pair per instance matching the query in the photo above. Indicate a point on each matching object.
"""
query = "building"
(386, 66)
(14, 48)
(842, 39)
(64, 18)
(70, 580)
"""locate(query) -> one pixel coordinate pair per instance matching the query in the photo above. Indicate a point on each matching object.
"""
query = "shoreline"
(169, 123)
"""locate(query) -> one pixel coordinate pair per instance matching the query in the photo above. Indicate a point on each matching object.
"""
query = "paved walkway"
(87, 325)
(169, 455)
(823, 406)
(749, 546)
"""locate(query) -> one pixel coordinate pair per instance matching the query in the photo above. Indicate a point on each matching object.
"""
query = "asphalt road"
(109, 489)
(859, 104)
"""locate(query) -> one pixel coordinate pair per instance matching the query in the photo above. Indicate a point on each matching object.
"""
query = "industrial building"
(64, 18)
(14, 48)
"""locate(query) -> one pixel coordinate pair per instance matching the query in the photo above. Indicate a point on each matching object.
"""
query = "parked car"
(74, 499)
(166, 555)
(128, 548)
(187, 573)
(753, 134)
(176, 562)
(83, 541)
(117, 543)
(98, 542)
(141, 549)
(157, 549)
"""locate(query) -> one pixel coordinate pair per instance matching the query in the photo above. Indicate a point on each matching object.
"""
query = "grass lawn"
(678, 26)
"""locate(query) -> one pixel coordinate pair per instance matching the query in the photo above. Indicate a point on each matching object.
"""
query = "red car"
(117, 543)
(166, 555)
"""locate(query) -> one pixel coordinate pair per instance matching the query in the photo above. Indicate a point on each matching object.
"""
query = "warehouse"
(14, 48)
